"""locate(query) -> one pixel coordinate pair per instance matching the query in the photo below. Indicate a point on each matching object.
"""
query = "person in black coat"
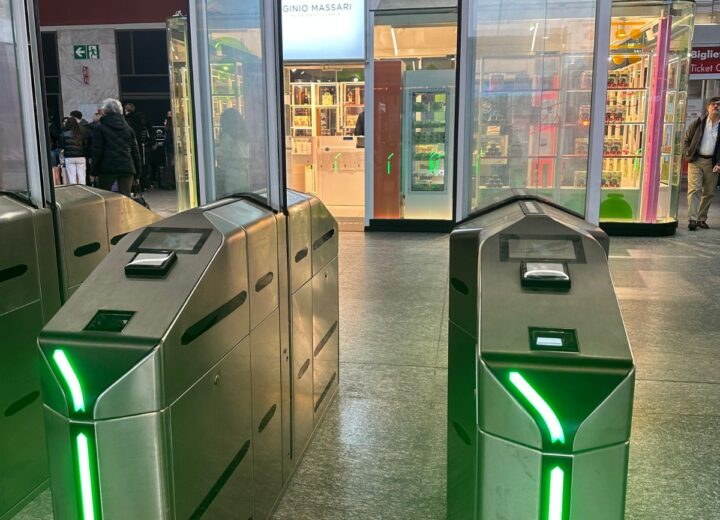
(73, 146)
(115, 154)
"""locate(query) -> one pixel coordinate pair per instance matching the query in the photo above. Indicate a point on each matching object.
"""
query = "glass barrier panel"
(13, 168)
(237, 98)
(529, 103)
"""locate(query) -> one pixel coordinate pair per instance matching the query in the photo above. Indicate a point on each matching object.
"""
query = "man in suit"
(702, 150)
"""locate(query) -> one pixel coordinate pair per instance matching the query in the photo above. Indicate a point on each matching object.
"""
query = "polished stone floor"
(380, 452)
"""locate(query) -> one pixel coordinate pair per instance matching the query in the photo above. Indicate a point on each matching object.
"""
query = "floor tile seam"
(363, 363)
(677, 381)
(674, 414)
(393, 364)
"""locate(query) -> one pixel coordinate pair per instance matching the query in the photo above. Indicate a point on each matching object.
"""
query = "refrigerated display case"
(645, 116)
(182, 108)
(427, 127)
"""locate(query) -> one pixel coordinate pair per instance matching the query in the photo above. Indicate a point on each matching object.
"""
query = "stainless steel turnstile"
(89, 222)
(29, 296)
(174, 383)
(540, 373)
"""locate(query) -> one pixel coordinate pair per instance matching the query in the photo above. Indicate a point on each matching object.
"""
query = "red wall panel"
(388, 139)
(96, 12)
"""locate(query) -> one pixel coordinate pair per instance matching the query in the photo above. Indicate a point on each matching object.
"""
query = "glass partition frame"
(528, 73)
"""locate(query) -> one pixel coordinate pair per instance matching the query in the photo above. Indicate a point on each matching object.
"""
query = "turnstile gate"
(89, 222)
(540, 373)
(171, 386)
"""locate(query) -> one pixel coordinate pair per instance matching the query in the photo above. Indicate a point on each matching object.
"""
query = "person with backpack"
(115, 154)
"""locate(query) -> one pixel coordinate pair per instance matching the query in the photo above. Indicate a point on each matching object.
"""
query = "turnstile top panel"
(509, 312)
(154, 302)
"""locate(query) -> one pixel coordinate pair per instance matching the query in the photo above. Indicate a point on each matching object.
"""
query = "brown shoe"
(703, 225)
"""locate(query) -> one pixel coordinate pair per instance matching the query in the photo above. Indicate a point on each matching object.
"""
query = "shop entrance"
(414, 113)
(325, 107)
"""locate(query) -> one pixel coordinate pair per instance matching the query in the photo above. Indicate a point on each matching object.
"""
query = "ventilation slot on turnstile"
(12, 272)
(325, 338)
(304, 368)
(212, 319)
(87, 249)
(327, 236)
(325, 391)
(21, 403)
(268, 417)
(301, 255)
(117, 238)
(263, 281)
(459, 286)
(215, 490)
(461, 433)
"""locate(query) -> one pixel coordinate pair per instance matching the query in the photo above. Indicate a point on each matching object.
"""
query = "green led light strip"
(71, 380)
(86, 494)
(537, 402)
(390, 156)
(555, 502)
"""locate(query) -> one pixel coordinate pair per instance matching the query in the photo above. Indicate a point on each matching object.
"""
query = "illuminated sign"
(316, 30)
(705, 63)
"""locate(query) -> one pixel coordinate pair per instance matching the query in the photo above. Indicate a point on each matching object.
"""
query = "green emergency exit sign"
(86, 52)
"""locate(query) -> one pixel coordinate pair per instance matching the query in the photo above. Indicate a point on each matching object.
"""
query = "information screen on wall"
(317, 30)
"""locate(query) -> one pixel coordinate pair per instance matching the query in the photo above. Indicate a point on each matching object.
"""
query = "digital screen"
(523, 248)
(323, 30)
(171, 241)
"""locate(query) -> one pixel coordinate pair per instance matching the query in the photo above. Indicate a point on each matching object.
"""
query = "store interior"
(532, 113)
(325, 149)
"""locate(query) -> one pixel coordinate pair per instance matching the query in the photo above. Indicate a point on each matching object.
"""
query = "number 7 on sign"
(93, 52)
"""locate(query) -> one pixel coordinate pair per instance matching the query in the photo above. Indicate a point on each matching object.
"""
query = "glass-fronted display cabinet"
(530, 82)
(645, 116)
(181, 93)
(428, 147)
(353, 104)
(429, 99)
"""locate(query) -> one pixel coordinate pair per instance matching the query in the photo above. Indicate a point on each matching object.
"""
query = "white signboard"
(317, 30)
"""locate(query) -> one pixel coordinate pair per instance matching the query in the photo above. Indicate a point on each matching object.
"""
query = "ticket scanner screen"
(527, 248)
(180, 240)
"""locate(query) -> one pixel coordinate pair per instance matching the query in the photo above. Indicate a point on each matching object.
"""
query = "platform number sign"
(86, 52)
